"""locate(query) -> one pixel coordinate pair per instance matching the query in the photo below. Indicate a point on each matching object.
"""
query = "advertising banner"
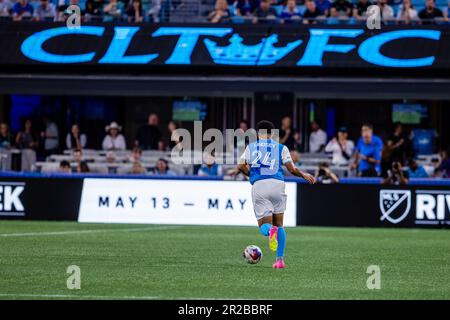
(40, 199)
(191, 202)
(374, 206)
(291, 48)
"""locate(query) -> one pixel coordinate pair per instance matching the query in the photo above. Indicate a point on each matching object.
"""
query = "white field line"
(96, 297)
(62, 233)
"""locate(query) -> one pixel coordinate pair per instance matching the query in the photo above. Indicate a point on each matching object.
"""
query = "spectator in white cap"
(114, 140)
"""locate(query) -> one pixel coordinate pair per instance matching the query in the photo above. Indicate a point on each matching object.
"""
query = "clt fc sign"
(236, 52)
(431, 206)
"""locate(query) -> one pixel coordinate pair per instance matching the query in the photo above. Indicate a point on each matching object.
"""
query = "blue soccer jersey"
(266, 158)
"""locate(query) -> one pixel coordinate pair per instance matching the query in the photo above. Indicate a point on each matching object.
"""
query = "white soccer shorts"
(268, 197)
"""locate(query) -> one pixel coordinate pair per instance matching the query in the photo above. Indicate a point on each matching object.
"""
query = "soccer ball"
(252, 254)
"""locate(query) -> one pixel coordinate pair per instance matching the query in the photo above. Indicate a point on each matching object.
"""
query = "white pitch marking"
(61, 233)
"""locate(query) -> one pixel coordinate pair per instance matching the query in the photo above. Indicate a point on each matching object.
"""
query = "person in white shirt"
(387, 13)
(114, 140)
(317, 138)
(75, 139)
(406, 12)
(341, 148)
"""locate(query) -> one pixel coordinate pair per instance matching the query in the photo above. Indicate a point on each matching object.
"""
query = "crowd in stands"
(236, 11)
(396, 159)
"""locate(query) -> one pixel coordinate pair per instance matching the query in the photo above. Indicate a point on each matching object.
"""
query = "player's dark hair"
(265, 125)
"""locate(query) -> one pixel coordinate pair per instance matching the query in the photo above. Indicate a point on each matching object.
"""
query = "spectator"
(395, 148)
(386, 11)
(154, 11)
(317, 138)
(50, 136)
(368, 152)
(288, 136)
(264, 13)
(5, 8)
(341, 9)
(423, 140)
(44, 11)
(174, 137)
(396, 175)
(341, 147)
(311, 13)
(82, 167)
(75, 139)
(26, 140)
(138, 168)
(77, 155)
(149, 136)
(406, 13)
(134, 11)
(93, 9)
(136, 155)
(415, 170)
(447, 12)
(63, 13)
(6, 138)
(429, 14)
(65, 167)
(240, 144)
(246, 8)
(135, 159)
(114, 10)
(114, 140)
(324, 175)
(290, 12)
(220, 13)
(324, 7)
(210, 168)
(443, 166)
(22, 9)
(162, 168)
(360, 10)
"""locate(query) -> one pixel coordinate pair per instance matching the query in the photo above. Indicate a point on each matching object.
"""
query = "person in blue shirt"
(323, 6)
(263, 162)
(368, 153)
(22, 9)
(210, 168)
(290, 12)
(415, 170)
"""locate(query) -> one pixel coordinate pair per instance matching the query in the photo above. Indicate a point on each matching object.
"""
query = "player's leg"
(265, 224)
(263, 208)
(278, 222)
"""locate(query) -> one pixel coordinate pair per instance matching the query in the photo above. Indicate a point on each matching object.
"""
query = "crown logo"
(261, 54)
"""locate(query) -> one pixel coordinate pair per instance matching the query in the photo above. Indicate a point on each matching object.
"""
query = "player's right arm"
(243, 164)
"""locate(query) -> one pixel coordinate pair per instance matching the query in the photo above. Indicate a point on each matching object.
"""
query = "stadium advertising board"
(190, 202)
(40, 199)
(374, 206)
(294, 48)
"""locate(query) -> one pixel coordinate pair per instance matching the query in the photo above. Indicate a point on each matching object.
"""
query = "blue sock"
(265, 229)
(281, 242)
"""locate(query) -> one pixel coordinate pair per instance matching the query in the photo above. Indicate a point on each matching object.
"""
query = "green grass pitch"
(197, 262)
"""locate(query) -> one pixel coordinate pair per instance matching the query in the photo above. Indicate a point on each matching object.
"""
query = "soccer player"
(262, 161)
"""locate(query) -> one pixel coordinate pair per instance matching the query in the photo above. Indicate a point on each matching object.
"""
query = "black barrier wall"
(345, 205)
(278, 49)
(40, 198)
(349, 205)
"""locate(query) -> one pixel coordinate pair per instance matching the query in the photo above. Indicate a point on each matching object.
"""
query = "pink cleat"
(279, 264)
(273, 238)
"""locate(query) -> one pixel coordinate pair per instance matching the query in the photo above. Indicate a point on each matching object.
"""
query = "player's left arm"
(287, 161)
